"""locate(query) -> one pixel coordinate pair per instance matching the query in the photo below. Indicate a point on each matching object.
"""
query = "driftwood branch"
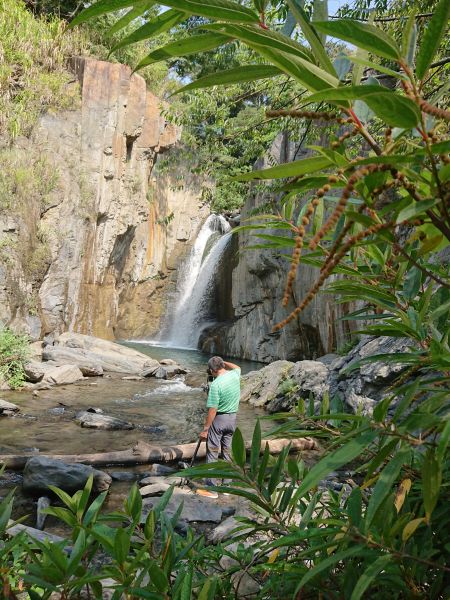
(143, 453)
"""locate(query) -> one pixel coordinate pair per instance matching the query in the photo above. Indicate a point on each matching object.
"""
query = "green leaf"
(100, 8)
(432, 37)
(256, 448)
(369, 575)
(220, 10)
(431, 482)
(255, 36)
(94, 509)
(380, 68)
(208, 591)
(158, 577)
(238, 448)
(335, 460)
(84, 498)
(121, 545)
(184, 47)
(412, 283)
(5, 510)
(362, 35)
(414, 209)
(396, 110)
(327, 563)
(237, 75)
(161, 23)
(385, 483)
(291, 169)
(443, 443)
(308, 74)
(311, 37)
(409, 40)
(354, 507)
(138, 9)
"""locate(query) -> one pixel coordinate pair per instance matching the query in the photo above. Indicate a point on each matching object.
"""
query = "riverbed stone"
(8, 407)
(159, 470)
(42, 471)
(43, 503)
(195, 508)
(99, 421)
(154, 489)
(153, 479)
(259, 387)
(63, 375)
(34, 371)
(86, 349)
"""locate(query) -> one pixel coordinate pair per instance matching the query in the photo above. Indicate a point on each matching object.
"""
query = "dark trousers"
(219, 439)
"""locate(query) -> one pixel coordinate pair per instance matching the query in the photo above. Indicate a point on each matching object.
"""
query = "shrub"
(14, 352)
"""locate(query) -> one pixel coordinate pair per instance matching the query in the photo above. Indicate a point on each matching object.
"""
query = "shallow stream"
(176, 407)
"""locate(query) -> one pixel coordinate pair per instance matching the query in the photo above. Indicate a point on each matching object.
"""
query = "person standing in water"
(222, 404)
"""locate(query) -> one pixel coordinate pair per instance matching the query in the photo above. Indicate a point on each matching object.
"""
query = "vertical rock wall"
(258, 283)
(109, 229)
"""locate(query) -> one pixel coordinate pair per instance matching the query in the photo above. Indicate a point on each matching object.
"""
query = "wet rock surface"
(101, 421)
(40, 472)
(7, 408)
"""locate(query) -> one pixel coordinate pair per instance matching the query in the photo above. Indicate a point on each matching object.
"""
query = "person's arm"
(208, 422)
(229, 365)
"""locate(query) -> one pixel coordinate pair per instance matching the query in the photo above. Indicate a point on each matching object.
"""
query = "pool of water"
(47, 421)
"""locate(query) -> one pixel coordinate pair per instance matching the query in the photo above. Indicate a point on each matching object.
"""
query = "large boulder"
(7, 408)
(62, 375)
(99, 421)
(195, 508)
(41, 471)
(260, 387)
(89, 351)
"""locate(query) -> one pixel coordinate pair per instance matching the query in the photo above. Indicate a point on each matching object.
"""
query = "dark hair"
(216, 363)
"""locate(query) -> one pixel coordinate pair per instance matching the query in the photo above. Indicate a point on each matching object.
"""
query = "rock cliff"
(257, 290)
(89, 233)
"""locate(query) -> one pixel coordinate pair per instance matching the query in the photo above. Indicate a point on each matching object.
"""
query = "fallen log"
(143, 453)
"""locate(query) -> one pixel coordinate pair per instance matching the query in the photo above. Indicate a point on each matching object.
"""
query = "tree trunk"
(143, 453)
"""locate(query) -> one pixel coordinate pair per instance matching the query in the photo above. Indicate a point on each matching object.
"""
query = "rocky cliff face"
(258, 283)
(89, 233)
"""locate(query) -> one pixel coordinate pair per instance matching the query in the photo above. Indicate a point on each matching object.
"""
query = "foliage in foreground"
(14, 351)
(383, 537)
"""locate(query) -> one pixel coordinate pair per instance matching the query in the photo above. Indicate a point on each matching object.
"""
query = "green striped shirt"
(225, 392)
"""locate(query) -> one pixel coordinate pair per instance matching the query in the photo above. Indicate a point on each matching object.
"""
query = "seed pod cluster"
(299, 242)
(346, 193)
(344, 137)
(327, 271)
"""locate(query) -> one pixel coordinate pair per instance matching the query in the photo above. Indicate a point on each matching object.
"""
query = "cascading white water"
(194, 288)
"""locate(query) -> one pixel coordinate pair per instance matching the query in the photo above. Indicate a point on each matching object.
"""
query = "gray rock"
(63, 375)
(154, 489)
(41, 471)
(259, 387)
(42, 503)
(195, 508)
(157, 469)
(167, 361)
(124, 476)
(96, 421)
(34, 371)
(57, 410)
(228, 528)
(8, 407)
(155, 479)
(88, 350)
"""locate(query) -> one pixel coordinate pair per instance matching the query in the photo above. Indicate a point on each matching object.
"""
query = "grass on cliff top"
(33, 77)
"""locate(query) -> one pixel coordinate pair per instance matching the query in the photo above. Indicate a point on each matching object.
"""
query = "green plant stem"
(420, 267)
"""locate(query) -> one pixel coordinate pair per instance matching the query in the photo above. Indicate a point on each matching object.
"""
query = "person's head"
(215, 364)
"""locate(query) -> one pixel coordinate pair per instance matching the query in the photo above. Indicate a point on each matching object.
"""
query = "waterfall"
(195, 286)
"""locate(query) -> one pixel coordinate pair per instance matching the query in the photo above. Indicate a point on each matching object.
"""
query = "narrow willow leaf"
(362, 35)
(238, 75)
(161, 23)
(138, 9)
(311, 37)
(190, 45)
(396, 110)
(158, 577)
(256, 448)
(431, 482)
(220, 10)
(384, 484)
(410, 528)
(336, 460)
(443, 443)
(256, 36)
(354, 507)
(238, 448)
(432, 37)
(100, 8)
(403, 490)
(292, 169)
(328, 563)
(369, 575)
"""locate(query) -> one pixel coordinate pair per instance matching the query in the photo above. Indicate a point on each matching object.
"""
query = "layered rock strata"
(92, 251)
